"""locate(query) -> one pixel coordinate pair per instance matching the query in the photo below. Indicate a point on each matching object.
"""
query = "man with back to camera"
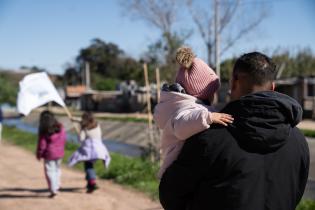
(260, 162)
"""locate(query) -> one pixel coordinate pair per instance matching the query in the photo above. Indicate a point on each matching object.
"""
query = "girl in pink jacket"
(50, 147)
(182, 112)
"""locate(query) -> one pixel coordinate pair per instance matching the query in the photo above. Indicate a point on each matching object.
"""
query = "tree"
(101, 56)
(162, 14)
(108, 65)
(231, 27)
(226, 69)
(72, 76)
(300, 64)
(8, 90)
(159, 54)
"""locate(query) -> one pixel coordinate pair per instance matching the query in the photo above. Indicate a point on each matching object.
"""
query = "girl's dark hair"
(48, 124)
(88, 121)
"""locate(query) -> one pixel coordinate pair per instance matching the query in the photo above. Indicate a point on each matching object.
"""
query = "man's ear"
(273, 86)
(233, 81)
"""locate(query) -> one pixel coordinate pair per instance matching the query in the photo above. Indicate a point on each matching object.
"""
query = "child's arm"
(41, 147)
(82, 136)
(190, 122)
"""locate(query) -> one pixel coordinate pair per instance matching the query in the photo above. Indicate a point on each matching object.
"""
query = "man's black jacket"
(260, 162)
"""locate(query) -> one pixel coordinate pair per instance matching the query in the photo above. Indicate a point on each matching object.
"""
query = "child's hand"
(221, 118)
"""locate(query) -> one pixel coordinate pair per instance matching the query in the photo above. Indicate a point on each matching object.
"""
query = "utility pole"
(217, 36)
(87, 76)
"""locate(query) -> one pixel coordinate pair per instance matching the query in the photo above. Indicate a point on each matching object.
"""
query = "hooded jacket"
(179, 116)
(260, 162)
(52, 147)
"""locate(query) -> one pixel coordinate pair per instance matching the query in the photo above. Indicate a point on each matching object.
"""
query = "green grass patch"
(306, 205)
(138, 173)
(308, 133)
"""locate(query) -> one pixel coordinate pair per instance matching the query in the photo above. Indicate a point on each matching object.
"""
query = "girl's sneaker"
(91, 188)
(52, 195)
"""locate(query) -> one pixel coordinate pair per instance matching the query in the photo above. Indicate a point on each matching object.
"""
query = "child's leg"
(90, 176)
(46, 166)
(59, 161)
(51, 172)
(89, 171)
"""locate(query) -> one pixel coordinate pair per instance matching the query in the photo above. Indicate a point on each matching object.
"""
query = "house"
(73, 95)
(302, 89)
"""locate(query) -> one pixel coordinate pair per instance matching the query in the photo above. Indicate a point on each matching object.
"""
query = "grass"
(308, 133)
(138, 173)
(306, 205)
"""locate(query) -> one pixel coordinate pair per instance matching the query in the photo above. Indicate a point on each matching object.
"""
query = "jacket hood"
(263, 120)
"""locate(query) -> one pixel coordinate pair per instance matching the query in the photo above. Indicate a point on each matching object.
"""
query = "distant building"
(73, 95)
(302, 89)
(129, 98)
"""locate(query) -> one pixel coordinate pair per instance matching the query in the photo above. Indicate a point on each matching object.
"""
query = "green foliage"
(8, 90)
(308, 133)
(109, 61)
(226, 69)
(300, 64)
(135, 172)
(101, 83)
(138, 173)
(162, 53)
(306, 205)
(72, 76)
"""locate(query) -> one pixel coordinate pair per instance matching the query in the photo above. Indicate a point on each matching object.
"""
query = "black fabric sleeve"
(182, 178)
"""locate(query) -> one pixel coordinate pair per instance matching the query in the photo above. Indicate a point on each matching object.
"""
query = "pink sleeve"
(190, 122)
(41, 146)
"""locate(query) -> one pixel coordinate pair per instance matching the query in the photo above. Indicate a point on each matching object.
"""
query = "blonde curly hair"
(185, 57)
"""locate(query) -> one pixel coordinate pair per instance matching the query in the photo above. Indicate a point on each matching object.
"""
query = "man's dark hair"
(258, 67)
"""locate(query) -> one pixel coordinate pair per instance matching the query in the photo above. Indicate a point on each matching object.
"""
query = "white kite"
(36, 90)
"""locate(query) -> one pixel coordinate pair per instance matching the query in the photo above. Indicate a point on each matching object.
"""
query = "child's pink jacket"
(180, 117)
(52, 147)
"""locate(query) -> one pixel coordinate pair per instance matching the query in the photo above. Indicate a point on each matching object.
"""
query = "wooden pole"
(70, 117)
(158, 85)
(147, 85)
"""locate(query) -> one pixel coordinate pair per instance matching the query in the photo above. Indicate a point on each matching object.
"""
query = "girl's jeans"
(89, 171)
(53, 173)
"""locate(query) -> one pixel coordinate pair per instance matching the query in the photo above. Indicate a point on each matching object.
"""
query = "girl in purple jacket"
(50, 147)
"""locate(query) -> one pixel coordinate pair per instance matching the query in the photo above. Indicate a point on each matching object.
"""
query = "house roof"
(75, 91)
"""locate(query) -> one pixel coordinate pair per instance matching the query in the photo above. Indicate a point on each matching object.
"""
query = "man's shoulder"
(215, 132)
(212, 138)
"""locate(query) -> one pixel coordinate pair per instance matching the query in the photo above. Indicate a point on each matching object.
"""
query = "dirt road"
(23, 187)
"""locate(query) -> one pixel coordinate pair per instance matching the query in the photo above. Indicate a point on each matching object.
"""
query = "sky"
(49, 34)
